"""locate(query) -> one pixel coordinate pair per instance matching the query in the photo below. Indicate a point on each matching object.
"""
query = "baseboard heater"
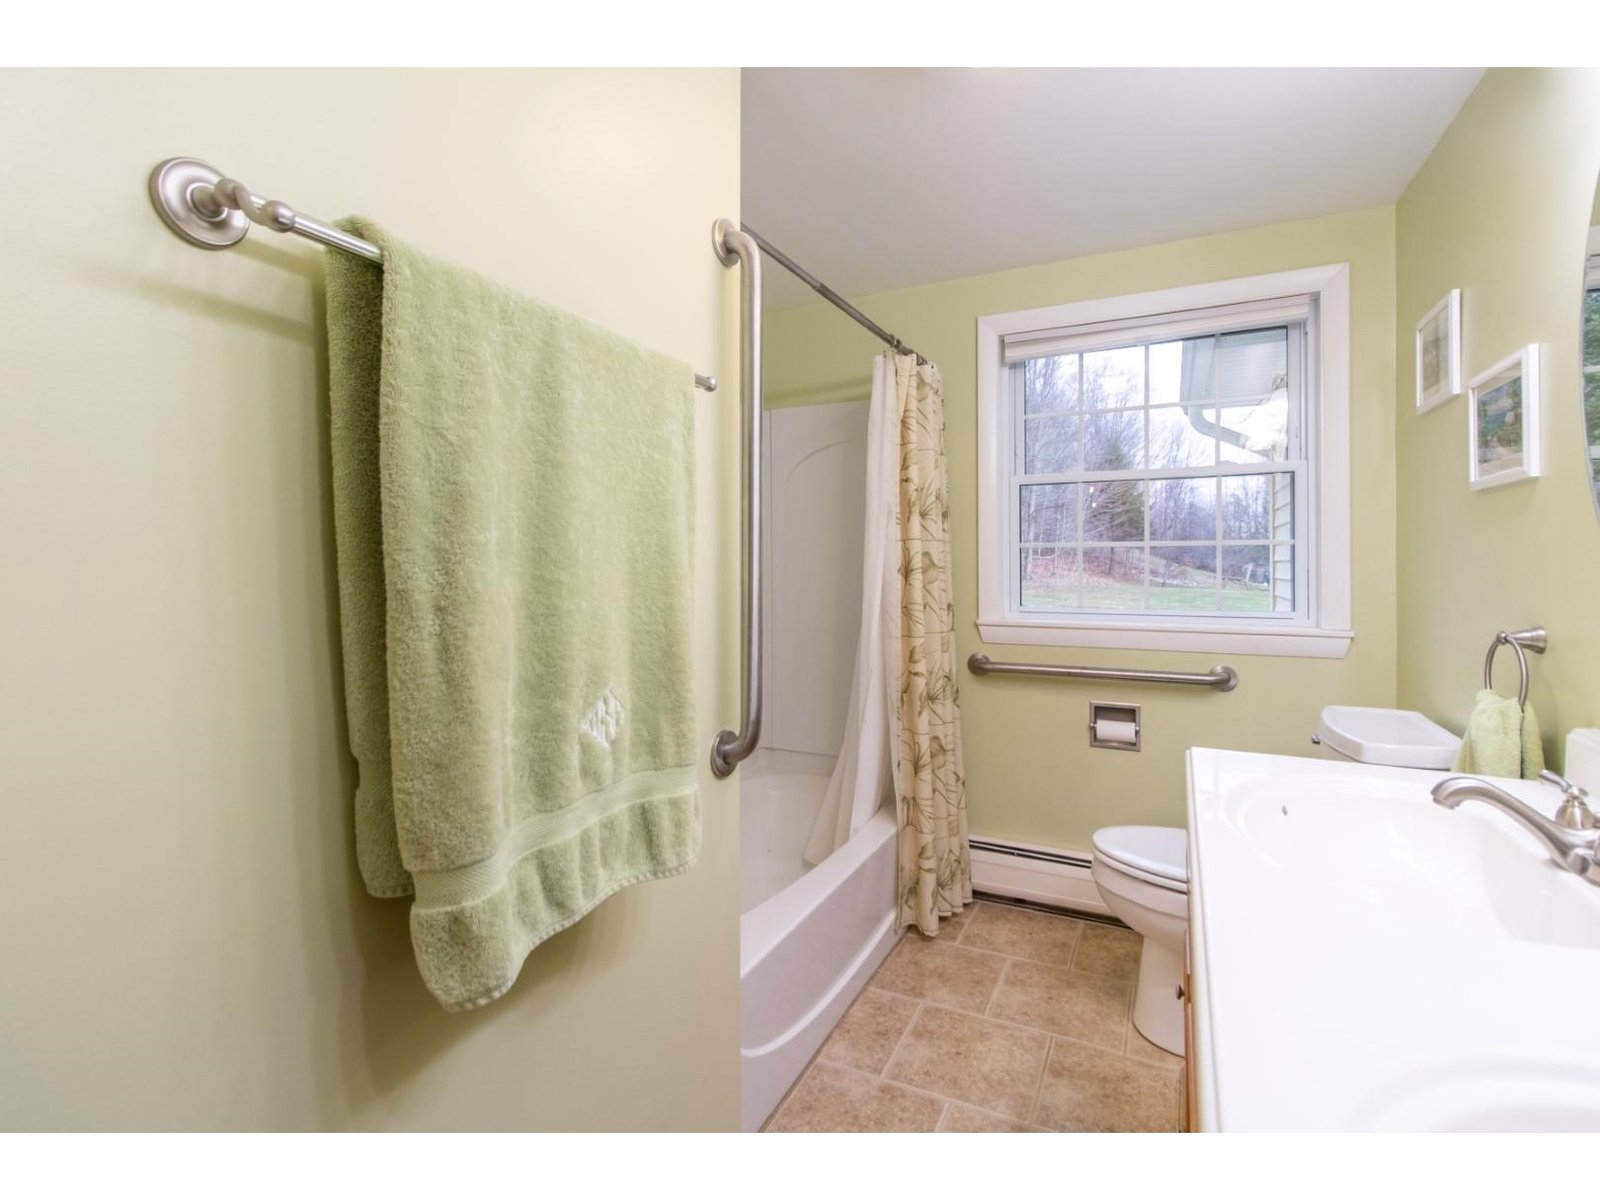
(1037, 874)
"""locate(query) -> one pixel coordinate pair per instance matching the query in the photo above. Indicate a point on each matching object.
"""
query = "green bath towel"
(513, 505)
(1499, 740)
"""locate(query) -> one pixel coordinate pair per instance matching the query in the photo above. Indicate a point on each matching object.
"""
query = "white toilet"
(1142, 872)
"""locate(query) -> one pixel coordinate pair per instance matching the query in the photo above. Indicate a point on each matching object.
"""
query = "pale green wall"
(185, 941)
(1030, 772)
(1501, 211)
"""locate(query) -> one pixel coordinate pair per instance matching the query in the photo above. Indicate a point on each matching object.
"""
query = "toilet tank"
(1390, 737)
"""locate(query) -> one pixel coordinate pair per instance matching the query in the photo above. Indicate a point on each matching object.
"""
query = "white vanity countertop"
(1365, 959)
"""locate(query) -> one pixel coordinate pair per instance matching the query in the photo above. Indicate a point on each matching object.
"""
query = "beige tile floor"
(1009, 1020)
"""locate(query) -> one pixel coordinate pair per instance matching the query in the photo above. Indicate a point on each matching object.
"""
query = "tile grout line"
(1133, 994)
(1038, 1086)
(1153, 1064)
(1030, 1115)
(806, 1071)
(986, 1013)
(926, 1004)
(1127, 1021)
(894, 1083)
(910, 1087)
(994, 992)
(1151, 1068)
(816, 1056)
(883, 1071)
(1009, 954)
(1057, 965)
(1127, 1040)
(1173, 1078)
(932, 1095)
(965, 925)
(1007, 959)
(1069, 964)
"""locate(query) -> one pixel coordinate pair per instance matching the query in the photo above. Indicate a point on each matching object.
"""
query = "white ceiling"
(880, 179)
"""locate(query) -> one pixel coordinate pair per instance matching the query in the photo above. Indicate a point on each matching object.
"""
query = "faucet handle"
(1568, 788)
(1573, 813)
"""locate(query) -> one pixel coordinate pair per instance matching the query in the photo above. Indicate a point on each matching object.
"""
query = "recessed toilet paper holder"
(1114, 726)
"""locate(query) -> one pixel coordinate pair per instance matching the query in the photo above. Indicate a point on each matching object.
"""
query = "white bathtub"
(809, 938)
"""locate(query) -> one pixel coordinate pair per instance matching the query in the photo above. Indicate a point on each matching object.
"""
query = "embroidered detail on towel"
(604, 719)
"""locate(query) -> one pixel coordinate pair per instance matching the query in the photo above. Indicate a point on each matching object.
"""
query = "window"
(1169, 470)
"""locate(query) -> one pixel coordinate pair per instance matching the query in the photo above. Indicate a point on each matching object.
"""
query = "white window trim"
(1330, 634)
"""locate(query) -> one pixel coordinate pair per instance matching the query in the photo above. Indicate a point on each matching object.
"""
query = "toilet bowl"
(1142, 872)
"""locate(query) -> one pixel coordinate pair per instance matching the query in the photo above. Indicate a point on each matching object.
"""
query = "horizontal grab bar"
(1223, 678)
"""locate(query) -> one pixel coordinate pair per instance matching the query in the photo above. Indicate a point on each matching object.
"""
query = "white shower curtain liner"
(863, 775)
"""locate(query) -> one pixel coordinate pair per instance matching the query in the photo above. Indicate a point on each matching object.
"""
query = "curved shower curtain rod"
(828, 294)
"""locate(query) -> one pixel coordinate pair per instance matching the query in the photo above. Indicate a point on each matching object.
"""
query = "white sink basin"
(1365, 959)
(1395, 737)
(1489, 1097)
(1417, 862)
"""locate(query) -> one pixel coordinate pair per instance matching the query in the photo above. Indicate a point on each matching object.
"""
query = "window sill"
(1276, 641)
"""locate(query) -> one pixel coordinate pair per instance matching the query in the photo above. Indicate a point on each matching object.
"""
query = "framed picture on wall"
(1439, 353)
(1503, 417)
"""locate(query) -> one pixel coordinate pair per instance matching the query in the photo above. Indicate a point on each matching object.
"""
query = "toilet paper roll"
(1123, 733)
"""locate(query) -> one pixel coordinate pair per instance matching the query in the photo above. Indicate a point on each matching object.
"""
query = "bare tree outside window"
(1136, 492)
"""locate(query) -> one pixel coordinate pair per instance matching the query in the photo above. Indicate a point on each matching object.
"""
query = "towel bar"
(1223, 678)
(1520, 641)
(208, 210)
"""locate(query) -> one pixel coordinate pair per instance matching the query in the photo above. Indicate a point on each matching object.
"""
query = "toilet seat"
(1156, 854)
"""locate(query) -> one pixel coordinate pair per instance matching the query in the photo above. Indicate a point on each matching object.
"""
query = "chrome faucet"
(1571, 838)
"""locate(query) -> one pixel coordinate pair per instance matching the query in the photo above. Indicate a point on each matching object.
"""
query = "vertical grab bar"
(733, 245)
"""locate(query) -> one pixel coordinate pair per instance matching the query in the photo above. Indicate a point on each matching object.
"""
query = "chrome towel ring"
(1520, 641)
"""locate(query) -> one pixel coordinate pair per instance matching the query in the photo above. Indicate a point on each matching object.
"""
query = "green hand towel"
(1499, 740)
(1532, 744)
(513, 507)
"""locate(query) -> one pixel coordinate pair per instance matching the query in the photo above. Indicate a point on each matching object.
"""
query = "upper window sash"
(1299, 428)
(1114, 335)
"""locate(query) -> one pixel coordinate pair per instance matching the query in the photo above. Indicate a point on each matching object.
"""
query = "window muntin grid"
(1164, 477)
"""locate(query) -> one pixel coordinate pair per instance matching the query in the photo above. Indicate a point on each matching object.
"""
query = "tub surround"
(809, 937)
(1363, 959)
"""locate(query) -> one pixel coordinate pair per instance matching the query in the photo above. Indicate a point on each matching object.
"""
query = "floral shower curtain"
(935, 867)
